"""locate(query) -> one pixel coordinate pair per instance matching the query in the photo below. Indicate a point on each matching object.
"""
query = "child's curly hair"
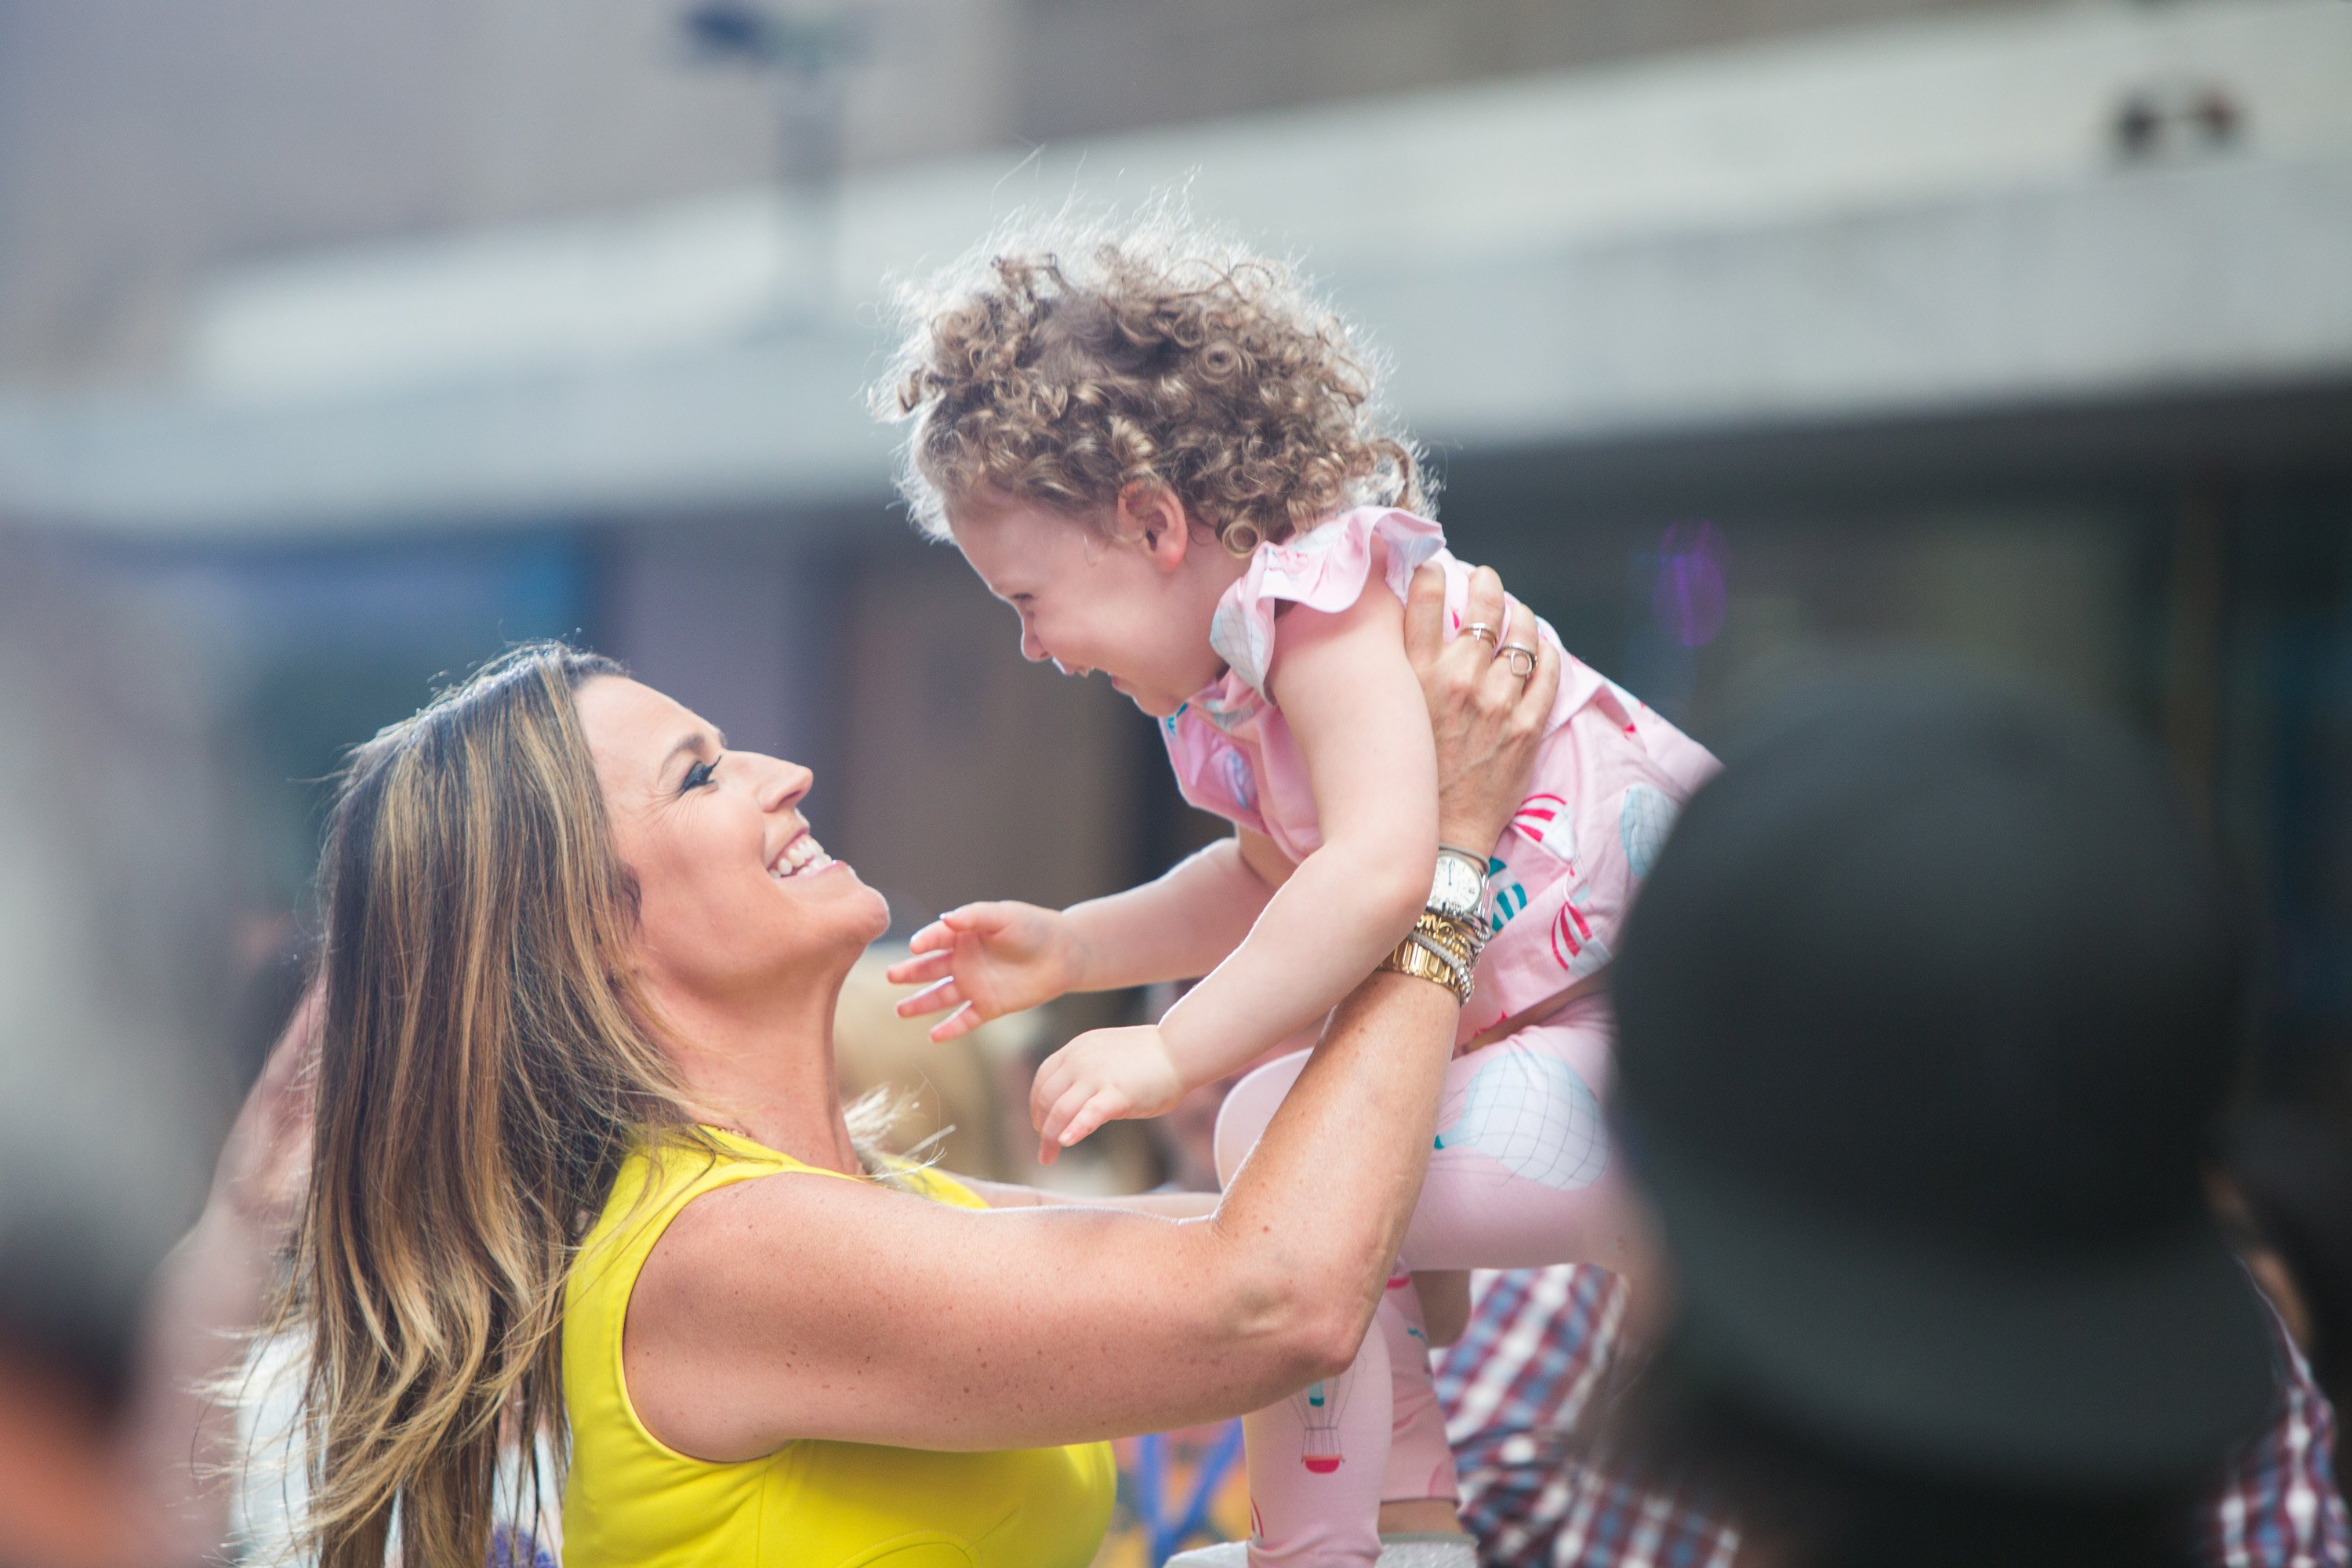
(1062, 368)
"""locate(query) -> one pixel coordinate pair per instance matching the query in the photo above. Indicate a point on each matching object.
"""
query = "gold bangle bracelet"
(1426, 962)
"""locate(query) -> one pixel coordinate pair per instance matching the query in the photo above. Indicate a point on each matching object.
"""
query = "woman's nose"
(1031, 649)
(783, 783)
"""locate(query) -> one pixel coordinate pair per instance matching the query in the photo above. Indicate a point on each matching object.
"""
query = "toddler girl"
(1161, 452)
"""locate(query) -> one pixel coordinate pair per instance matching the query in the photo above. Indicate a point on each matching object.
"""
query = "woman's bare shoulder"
(777, 1229)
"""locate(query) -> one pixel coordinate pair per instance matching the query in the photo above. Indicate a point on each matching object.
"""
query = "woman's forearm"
(1177, 927)
(180, 1434)
(1326, 1195)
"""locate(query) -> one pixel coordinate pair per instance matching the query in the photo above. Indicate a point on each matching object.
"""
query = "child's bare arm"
(1355, 705)
(1178, 927)
(982, 961)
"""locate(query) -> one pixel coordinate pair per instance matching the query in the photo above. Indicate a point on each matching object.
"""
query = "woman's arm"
(808, 1306)
(803, 1306)
(211, 1293)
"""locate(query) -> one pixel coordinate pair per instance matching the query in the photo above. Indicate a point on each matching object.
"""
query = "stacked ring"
(1482, 631)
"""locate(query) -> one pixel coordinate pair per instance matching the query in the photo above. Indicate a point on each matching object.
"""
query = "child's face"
(1137, 610)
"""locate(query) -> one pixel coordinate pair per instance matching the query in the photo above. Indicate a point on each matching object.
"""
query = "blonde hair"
(1062, 366)
(483, 1067)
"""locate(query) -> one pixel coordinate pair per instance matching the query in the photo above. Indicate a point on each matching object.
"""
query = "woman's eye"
(697, 776)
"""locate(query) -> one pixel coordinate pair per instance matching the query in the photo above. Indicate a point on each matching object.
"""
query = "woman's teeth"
(803, 854)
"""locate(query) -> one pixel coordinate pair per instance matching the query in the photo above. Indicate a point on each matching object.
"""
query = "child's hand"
(985, 961)
(1102, 1075)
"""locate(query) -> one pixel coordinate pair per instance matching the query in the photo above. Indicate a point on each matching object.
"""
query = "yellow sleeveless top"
(809, 1504)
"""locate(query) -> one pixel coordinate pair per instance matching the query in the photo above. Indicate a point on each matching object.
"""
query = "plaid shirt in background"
(1536, 1491)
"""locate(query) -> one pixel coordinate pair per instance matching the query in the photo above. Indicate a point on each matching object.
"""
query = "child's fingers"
(962, 1021)
(919, 969)
(1053, 1077)
(1104, 1105)
(931, 999)
(1066, 1106)
(937, 937)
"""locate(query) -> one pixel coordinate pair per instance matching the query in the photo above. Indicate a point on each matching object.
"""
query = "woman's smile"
(801, 856)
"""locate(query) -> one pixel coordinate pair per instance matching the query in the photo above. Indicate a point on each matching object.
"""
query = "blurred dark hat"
(1928, 1013)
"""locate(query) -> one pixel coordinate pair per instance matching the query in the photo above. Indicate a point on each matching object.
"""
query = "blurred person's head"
(527, 886)
(113, 987)
(1107, 420)
(1930, 1014)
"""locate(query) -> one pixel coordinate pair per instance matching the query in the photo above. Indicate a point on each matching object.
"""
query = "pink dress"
(1523, 1173)
(1609, 778)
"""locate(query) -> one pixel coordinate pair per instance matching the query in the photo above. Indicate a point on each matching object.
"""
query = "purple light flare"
(1688, 599)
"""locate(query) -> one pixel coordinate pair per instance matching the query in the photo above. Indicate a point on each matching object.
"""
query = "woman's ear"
(1152, 515)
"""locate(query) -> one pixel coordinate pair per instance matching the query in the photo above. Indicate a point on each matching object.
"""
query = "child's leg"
(1315, 1463)
(1420, 1461)
(1523, 1175)
(1315, 1460)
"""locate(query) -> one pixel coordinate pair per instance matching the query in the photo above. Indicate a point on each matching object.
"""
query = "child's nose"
(1031, 649)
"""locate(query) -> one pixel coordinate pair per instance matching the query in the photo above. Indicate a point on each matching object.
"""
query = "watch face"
(1457, 887)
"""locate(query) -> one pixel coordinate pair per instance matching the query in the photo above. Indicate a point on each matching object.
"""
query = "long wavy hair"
(484, 1065)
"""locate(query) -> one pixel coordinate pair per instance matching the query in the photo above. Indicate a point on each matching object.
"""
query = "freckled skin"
(801, 1307)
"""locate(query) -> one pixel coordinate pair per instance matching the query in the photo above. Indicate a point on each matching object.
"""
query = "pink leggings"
(1522, 1176)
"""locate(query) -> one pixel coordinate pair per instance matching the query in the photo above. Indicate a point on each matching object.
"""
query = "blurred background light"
(357, 341)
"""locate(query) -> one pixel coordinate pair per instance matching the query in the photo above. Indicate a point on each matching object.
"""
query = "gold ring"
(1513, 653)
(1482, 631)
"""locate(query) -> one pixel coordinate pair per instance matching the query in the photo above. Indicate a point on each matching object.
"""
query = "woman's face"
(733, 893)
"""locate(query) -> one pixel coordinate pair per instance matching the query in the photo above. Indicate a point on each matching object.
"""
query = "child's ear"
(1152, 515)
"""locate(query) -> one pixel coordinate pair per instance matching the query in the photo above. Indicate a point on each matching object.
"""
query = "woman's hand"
(985, 961)
(1489, 721)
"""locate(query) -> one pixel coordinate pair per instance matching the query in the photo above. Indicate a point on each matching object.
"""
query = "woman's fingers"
(1535, 702)
(1484, 604)
(1424, 616)
(1505, 677)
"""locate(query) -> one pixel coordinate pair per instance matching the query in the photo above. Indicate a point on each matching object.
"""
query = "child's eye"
(697, 776)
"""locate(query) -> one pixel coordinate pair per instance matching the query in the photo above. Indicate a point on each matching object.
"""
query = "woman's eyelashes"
(697, 776)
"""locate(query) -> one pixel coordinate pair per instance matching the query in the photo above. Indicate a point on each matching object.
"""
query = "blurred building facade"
(368, 338)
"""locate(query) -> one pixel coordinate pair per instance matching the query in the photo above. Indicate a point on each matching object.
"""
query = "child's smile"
(1128, 603)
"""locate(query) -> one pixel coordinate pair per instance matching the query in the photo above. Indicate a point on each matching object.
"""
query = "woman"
(580, 974)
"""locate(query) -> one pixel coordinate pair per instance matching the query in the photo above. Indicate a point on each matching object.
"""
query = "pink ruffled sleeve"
(1325, 569)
